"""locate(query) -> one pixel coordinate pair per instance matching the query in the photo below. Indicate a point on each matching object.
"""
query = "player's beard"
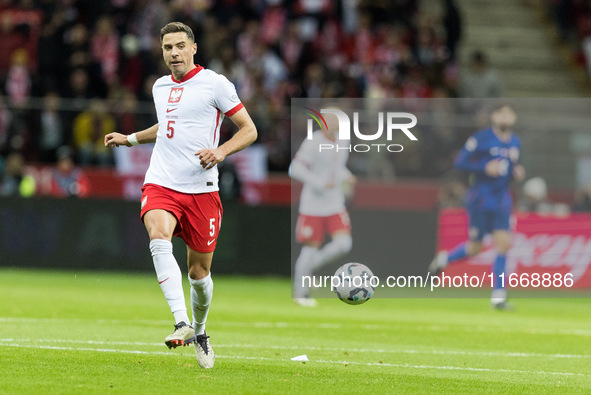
(504, 128)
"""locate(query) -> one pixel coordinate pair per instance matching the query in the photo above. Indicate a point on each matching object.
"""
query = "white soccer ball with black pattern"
(352, 283)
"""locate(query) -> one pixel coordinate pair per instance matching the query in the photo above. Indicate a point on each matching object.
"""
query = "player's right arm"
(143, 137)
(469, 159)
(299, 169)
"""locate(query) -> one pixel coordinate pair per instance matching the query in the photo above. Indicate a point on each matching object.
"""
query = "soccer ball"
(352, 283)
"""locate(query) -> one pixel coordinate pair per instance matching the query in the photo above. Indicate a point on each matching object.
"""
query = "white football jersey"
(190, 113)
(317, 170)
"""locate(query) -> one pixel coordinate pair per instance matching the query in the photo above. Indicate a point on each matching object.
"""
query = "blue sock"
(499, 269)
(457, 253)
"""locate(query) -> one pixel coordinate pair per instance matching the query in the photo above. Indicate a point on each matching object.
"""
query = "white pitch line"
(314, 348)
(406, 366)
(407, 351)
(101, 342)
(95, 321)
(321, 325)
(88, 349)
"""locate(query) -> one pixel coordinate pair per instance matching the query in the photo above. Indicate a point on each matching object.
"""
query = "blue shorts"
(483, 222)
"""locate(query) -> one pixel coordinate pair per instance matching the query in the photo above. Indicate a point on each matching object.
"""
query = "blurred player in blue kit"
(492, 156)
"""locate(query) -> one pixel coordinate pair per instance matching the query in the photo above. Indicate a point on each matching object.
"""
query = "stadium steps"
(517, 58)
(548, 138)
(518, 47)
(524, 52)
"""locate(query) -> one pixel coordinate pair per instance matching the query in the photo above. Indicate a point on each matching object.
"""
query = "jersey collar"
(503, 139)
(189, 75)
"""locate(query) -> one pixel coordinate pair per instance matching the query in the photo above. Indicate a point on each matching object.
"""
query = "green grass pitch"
(101, 333)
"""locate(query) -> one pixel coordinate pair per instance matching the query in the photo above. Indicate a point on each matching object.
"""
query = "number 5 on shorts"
(212, 226)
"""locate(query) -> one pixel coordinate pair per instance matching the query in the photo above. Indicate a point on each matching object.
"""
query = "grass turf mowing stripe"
(319, 325)
(121, 307)
(407, 366)
(314, 348)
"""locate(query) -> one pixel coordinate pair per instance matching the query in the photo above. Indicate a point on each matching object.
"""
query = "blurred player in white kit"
(180, 195)
(322, 208)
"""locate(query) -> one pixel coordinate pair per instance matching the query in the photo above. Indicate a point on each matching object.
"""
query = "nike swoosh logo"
(171, 109)
(160, 282)
(210, 241)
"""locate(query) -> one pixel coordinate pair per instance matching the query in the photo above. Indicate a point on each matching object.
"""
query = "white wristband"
(132, 139)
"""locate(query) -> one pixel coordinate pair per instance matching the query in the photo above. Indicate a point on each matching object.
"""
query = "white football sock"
(201, 293)
(304, 266)
(498, 296)
(336, 248)
(170, 278)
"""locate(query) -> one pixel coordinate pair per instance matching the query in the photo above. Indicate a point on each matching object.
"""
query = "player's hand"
(115, 140)
(210, 157)
(493, 168)
(519, 173)
(348, 186)
(352, 180)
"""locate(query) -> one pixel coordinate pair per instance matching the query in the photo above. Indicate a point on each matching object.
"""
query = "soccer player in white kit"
(180, 195)
(322, 208)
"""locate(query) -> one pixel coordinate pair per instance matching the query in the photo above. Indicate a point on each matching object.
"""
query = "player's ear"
(194, 48)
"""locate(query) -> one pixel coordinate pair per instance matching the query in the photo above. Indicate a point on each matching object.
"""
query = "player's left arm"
(518, 172)
(348, 176)
(245, 136)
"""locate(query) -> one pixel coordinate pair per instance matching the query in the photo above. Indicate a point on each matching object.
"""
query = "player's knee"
(345, 243)
(503, 246)
(473, 248)
(159, 234)
(502, 242)
(197, 272)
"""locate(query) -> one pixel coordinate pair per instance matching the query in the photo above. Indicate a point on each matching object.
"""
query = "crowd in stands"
(573, 23)
(73, 70)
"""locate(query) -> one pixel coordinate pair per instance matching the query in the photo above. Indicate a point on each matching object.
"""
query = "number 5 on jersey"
(170, 129)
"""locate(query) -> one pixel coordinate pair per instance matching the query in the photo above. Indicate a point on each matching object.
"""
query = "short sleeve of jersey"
(226, 98)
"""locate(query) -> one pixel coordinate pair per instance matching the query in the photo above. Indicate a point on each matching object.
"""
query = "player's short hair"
(497, 106)
(177, 27)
